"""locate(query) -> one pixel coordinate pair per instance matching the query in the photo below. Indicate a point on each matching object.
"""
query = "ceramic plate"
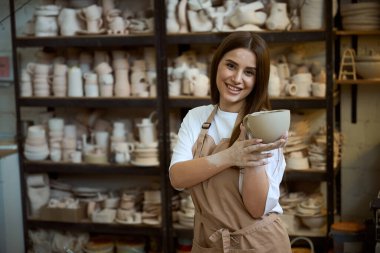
(297, 147)
(148, 164)
(150, 221)
(84, 32)
(127, 222)
(88, 190)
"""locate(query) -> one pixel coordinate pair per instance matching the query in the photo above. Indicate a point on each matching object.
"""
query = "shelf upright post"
(19, 135)
(329, 43)
(164, 129)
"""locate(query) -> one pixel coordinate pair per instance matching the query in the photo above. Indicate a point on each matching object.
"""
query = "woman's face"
(235, 78)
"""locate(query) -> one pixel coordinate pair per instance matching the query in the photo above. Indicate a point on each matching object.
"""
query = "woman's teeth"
(233, 88)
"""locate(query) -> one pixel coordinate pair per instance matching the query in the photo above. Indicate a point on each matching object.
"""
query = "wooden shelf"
(310, 175)
(272, 36)
(85, 41)
(356, 32)
(358, 82)
(111, 228)
(283, 102)
(98, 102)
(83, 168)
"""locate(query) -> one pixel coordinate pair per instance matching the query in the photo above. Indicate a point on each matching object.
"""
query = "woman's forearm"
(189, 173)
(255, 190)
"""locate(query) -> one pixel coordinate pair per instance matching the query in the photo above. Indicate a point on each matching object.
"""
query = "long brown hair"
(258, 99)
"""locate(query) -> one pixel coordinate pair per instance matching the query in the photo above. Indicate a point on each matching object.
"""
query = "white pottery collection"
(94, 140)
(184, 16)
(100, 205)
(88, 18)
(91, 74)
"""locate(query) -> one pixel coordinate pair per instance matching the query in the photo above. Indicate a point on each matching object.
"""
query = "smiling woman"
(233, 181)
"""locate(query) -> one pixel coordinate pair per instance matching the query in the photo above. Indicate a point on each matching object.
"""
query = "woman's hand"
(251, 152)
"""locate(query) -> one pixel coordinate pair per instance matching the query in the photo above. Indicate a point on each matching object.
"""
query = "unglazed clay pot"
(267, 125)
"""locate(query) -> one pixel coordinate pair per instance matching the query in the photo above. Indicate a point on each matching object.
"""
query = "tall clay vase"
(172, 25)
(312, 14)
(278, 19)
(122, 85)
(182, 20)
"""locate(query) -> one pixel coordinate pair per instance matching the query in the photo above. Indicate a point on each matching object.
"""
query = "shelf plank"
(357, 32)
(310, 175)
(83, 168)
(98, 102)
(285, 102)
(358, 82)
(112, 228)
(85, 41)
(268, 36)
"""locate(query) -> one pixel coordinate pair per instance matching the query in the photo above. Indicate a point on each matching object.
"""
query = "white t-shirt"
(221, 128)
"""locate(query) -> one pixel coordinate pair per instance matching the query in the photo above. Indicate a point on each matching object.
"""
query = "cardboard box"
(63, 214)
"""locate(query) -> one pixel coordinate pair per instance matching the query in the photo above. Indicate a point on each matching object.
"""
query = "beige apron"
(222, 223)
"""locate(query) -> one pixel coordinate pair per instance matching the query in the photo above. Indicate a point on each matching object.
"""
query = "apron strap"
(202, 136)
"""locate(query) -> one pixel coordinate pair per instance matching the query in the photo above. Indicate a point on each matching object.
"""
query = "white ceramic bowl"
(267, 125)
(314, 222)
(297, 163)
(36, 156)
(368, 69)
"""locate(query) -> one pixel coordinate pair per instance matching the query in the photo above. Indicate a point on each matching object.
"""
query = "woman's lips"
(233, 89)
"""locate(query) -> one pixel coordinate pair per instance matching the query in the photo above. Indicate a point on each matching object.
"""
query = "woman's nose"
(237, 77)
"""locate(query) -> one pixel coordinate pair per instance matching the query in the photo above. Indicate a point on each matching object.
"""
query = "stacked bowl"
(36, 146)
(361, 16)
(368, 67)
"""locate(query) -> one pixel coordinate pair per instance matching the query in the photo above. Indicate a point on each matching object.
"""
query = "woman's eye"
(230, 65)
(250, 73)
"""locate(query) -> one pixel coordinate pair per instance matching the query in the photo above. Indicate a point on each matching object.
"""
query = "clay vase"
(278, 19)
(75, 82)
(182, 20)
(201, 86)
(172, 25)
(122, 85)
(274, 87)
(199, 21)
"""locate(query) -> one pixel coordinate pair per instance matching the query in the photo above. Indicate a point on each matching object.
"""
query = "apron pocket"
(199, 249)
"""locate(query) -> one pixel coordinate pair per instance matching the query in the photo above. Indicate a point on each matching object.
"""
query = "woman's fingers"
(242, 133)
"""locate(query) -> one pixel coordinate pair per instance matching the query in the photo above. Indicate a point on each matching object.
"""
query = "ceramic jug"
(201, 86)
(69, 22)
(147, 130)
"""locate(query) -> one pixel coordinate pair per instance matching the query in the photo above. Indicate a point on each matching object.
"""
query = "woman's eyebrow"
(232, 61)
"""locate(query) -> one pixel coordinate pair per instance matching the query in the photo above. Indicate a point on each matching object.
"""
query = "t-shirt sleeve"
(186, 138)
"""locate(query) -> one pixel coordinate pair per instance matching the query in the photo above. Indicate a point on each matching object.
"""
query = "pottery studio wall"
(361, 145)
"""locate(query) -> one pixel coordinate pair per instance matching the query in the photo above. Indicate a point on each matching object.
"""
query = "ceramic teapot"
(116, 23)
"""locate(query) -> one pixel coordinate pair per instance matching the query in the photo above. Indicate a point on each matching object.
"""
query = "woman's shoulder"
(200, 112)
